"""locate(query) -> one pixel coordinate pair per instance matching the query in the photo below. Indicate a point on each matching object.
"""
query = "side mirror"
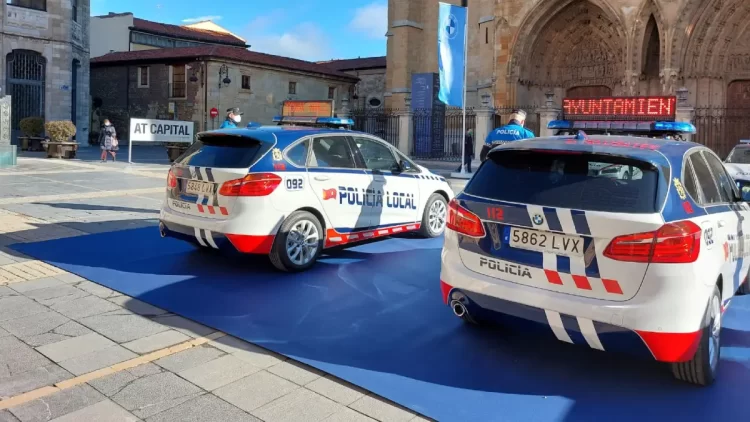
(403, 165)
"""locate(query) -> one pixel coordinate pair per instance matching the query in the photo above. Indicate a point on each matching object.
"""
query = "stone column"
(546, 115)
(485, 122)
(685, 114)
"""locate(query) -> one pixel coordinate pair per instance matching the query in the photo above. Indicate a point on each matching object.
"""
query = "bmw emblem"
(451, 26)
(538, 219)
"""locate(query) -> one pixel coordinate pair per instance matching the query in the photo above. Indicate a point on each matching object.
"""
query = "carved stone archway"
(579, 44)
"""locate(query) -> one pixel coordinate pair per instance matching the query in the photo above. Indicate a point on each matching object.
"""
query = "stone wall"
(117, 88)
(519, 50)
(371, 86)
(59, 39)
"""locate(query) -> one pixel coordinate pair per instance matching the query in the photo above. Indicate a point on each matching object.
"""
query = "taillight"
(256, 184)
(464, 221)
(171, 179)
(673, 243)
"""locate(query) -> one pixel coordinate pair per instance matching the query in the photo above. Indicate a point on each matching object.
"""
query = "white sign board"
(147, 130)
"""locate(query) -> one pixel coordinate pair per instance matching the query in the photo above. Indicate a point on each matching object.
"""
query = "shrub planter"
(61, 149)
(174, 151)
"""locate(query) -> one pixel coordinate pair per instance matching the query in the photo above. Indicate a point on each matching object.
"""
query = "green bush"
(60, 130)
(32, 126)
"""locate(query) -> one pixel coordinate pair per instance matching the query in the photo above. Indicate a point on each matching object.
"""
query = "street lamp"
(224, 71)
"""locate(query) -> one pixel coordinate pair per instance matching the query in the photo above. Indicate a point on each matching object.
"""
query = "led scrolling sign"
(620, 108)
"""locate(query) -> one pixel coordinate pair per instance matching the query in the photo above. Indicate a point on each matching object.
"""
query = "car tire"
(703, 367)
(435, 211)
(289, 239)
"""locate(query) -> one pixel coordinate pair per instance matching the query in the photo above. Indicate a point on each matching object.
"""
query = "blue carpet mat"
(373, 316)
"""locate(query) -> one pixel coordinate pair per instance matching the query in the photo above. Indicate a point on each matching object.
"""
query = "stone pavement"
(75, 351)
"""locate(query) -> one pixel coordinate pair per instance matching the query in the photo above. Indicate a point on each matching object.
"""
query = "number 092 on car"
(534, 240)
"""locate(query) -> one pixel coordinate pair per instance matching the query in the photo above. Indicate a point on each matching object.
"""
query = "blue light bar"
(745, 141)
(682, 127)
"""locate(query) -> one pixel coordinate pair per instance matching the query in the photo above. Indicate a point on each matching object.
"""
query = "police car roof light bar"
(745, 141)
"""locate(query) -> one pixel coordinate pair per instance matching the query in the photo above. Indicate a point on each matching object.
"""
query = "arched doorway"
(25, 82)
(577, 49)
(651, 84)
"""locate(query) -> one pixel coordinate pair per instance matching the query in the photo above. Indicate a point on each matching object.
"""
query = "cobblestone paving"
(75, 351)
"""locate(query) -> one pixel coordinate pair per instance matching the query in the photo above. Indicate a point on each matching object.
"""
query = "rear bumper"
(664, 347)
(663, 321)
(209, 233)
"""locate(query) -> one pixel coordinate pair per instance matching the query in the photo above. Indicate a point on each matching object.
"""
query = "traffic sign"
(214, 113)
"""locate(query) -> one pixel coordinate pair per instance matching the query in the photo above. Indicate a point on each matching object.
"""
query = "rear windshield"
(568, 181)
(222, 152)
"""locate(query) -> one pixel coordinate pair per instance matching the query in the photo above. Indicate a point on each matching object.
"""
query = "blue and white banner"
(451, 53)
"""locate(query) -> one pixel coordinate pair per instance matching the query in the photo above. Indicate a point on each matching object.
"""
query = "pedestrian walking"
(234, 116)
(108, 141)
(513, 131)
(468, 150)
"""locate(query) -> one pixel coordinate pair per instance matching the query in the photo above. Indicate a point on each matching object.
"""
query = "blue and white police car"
(738, 164)
(291, 192)
(645, 264)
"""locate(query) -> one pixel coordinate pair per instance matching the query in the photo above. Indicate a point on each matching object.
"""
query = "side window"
(376, 155)
(331, 151)
(711, 193)
(725, 183)
(688, 181)
(298, 153)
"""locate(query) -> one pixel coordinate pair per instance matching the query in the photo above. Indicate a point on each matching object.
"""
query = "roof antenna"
(581, 135)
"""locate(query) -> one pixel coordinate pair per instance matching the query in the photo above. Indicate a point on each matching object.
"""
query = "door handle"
(322, 178)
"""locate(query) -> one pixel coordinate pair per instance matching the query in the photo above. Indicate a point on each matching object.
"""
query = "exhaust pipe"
(162, 230)
(459, 309)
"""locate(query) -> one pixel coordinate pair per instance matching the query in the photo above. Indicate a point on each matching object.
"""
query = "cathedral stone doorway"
(589, 91)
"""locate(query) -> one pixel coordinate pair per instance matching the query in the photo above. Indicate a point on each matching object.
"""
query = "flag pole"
(463, 102)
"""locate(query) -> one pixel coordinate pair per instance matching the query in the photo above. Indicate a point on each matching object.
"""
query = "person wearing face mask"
(234, 116)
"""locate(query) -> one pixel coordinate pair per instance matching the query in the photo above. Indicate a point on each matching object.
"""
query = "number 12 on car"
(294, 183)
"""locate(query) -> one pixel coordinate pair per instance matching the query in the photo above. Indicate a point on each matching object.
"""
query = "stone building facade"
(45, 61)
(186, 83)
(520, 50)
(369, 92)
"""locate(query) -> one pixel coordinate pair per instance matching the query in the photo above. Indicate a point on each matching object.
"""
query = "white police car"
(646, 264)
(291, 192)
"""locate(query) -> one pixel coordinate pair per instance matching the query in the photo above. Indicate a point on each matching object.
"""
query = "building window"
(74, 6)
(487, 35)
(245, 81)
(292, 87)
(29, 4)
(143, 77)
(178, 81)
(331, 92)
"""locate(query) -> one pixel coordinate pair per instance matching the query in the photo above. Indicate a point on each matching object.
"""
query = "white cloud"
(202, 18)
(371, 20)
(305, 41)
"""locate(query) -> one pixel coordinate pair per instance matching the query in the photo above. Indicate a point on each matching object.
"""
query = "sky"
(304, 29)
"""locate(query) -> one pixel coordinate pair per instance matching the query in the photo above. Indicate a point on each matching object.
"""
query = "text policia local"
(161, 129)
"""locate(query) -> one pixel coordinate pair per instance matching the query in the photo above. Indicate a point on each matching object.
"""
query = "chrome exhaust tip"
(459, 309)
(162, 229)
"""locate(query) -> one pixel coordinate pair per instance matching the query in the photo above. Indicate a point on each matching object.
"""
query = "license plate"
(197, 187)
(554, 243)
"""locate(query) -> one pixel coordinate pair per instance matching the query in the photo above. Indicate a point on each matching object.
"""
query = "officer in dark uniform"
(513, 131)
(234, 116)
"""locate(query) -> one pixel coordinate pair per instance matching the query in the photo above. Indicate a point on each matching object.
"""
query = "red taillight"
(171, 179)
(464, 221)
(673, 243)
(256, 184)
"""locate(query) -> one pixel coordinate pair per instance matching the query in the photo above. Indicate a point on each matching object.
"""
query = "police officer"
(234, 116)
(513, 131)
